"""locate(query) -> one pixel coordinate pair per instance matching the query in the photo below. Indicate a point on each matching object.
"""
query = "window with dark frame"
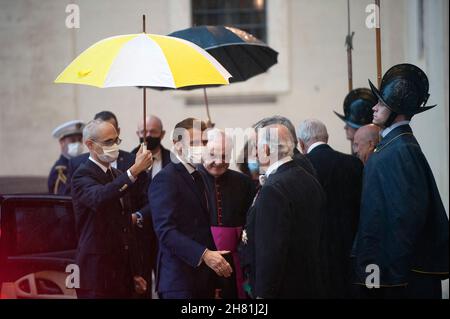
(248, 15)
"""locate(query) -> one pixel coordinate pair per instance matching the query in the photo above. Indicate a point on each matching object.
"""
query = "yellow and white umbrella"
(144, 60)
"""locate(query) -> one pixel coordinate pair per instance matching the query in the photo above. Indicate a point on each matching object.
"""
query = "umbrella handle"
(205, 96)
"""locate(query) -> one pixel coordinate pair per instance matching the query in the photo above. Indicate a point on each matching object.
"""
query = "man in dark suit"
(124, 161)
(161, 157)
(179, 205)
(298, 157)
(340, 176)
(103, 216)
(281, 244)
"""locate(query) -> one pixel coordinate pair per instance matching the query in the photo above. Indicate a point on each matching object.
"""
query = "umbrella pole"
(145, 116)
(205, 96)
(378, 40)
(144, 98)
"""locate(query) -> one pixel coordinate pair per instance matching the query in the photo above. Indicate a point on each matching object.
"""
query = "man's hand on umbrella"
(144, 160)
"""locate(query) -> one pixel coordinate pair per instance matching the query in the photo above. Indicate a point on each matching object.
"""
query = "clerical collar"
(389, 129)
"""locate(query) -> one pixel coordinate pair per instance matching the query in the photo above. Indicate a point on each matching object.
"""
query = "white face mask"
(195, 154)
(110, 153)
(74, 149)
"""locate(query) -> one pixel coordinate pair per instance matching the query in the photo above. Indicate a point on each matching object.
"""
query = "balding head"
(154, 132)
(153, 126)
(311, 131)
(365, 140)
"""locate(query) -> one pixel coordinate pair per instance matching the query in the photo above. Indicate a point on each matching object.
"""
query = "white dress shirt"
(190, 168)
(105, 169)
(389, 129)
(273, 168)
(314, 145)
(157, 163)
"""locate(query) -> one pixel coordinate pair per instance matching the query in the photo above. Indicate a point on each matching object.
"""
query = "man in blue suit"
(103, 214)
(187, 260)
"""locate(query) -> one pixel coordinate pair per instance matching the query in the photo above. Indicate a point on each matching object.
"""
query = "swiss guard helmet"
(404, 90)
(358, 106)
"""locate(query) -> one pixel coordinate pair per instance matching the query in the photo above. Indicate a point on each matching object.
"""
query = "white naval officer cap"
(68, 128)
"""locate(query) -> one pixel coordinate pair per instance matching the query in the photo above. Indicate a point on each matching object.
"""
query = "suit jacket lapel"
(165, 156)
(190, 183)
(97, 171)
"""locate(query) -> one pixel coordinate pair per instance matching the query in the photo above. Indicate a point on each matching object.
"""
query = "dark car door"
(37, 244)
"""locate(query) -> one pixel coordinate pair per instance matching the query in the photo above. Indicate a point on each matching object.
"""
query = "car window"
(44, 227)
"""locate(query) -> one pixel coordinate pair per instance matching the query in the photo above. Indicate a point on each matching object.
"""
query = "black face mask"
(152, 142)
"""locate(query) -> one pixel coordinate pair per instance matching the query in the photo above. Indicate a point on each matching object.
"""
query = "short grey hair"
(312, 130)
(90, 131)
(278, 119)
(280, 142)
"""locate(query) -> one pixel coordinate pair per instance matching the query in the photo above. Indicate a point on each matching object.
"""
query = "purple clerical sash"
(227, 238)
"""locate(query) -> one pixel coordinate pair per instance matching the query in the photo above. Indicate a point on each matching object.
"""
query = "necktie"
(110, 174)
(200, 186)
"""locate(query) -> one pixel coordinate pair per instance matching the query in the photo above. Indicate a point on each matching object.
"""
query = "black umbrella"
(243, 55)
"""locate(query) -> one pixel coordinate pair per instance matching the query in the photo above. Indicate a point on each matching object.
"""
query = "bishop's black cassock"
(229, 196)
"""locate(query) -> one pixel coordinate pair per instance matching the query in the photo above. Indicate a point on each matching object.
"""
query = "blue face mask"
(253, 167)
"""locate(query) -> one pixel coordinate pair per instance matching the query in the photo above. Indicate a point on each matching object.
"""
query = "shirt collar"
(189, 167)
(273, 168)
(389, 129)
(314, 145)
(157, 156)
(103, 167)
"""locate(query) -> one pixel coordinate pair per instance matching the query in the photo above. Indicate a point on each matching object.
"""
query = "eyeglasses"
(110, 142)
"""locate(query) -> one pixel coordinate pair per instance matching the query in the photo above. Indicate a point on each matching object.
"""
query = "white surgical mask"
(74, 149)
(195, 154)
(110, 153)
